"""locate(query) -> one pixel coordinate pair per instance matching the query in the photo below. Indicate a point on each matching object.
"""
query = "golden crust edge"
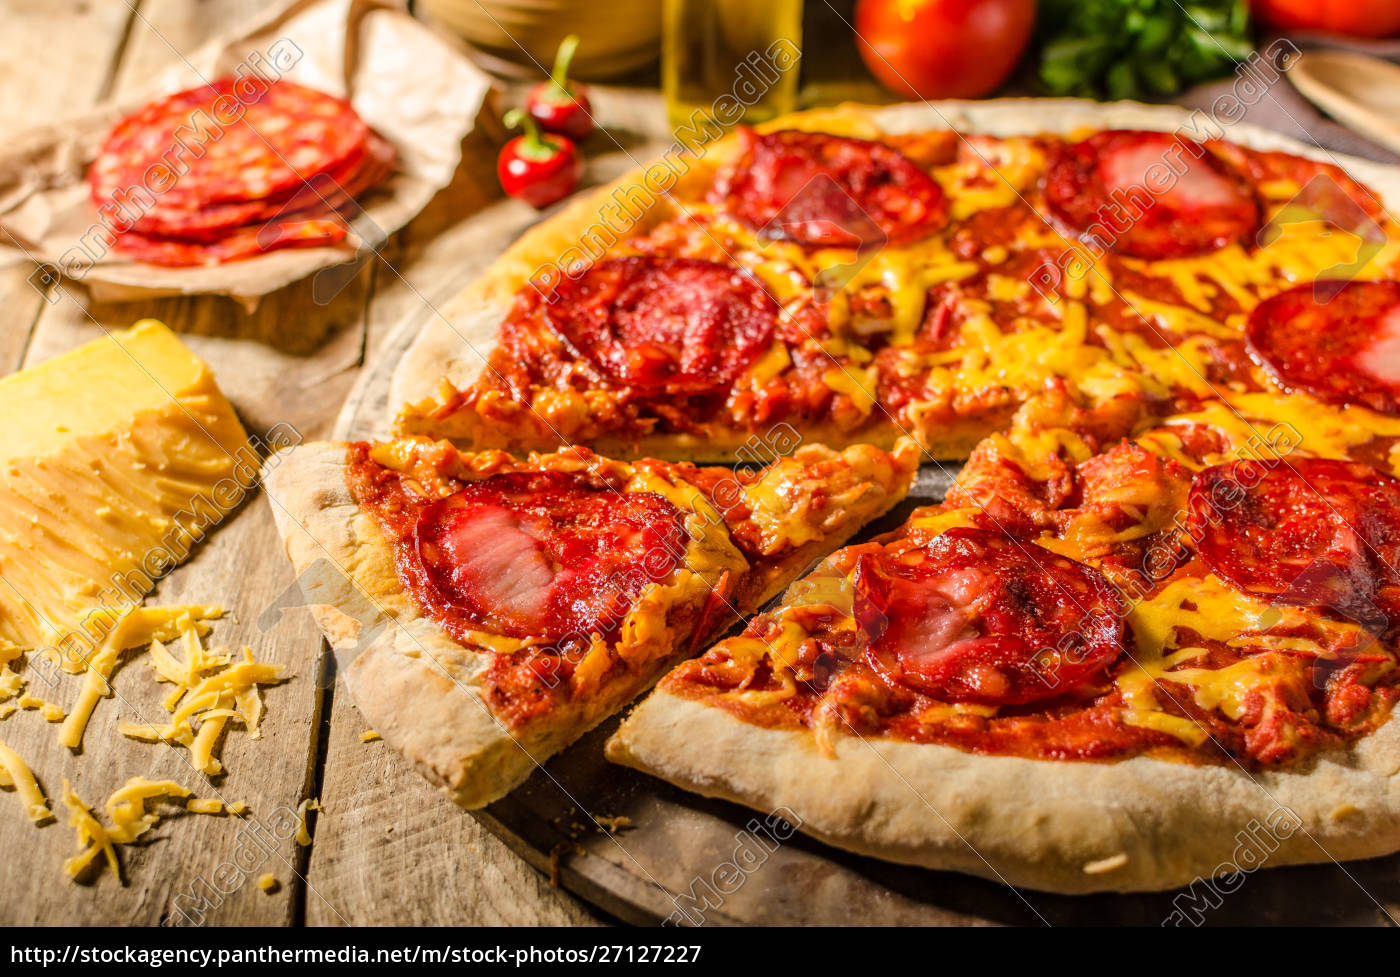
(1070, 827)
(419, 689)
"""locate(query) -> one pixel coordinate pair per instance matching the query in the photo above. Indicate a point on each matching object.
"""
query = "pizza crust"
(419, 689)
(453, 347)
(1140, 824)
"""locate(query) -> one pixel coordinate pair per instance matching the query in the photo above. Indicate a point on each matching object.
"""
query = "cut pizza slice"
(488, 610)
(1098, 665)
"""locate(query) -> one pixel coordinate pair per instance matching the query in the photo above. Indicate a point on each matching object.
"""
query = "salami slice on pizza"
(488, 610)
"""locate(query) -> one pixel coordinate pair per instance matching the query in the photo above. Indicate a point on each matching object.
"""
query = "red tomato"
(943, 48)
(1361, 18)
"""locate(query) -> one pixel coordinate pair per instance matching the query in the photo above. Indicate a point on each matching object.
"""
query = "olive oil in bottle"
(730, 61)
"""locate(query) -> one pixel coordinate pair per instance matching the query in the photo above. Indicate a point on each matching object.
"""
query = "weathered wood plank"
(289, 363)
(391, 850)
(29, 98)
(92, 36)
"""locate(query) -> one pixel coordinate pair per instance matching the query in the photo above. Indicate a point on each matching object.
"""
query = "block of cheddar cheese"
(115, 459)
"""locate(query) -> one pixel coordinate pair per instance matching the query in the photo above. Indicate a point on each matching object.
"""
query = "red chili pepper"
(560, 105)
(537, 169)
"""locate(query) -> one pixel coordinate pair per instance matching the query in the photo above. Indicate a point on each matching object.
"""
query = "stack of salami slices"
(233, 169)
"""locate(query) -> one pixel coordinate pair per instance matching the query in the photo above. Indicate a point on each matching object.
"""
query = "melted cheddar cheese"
(1211, 610)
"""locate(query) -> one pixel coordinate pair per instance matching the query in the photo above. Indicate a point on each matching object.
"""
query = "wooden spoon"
(1356, 89)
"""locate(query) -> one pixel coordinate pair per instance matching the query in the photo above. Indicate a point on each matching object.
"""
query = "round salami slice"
(979, 616)
(200, 223)
(664, 325)
(1338, 340)
(1302, 531)
(546, 554)
(333, 190)
(322, 195)
(829, 191)
(227, 141)
(241, 242)
(1149, 195)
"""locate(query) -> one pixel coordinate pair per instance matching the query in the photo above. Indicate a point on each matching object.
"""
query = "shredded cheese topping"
(11, 683)
(107, 633)
(1263, 424)
(130, 820)
(1216, 612)
(1025, 352)
(210, 689)
(126, 809)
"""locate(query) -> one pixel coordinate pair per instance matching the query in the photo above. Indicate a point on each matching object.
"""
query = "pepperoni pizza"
(489, 610)
(1156, 607)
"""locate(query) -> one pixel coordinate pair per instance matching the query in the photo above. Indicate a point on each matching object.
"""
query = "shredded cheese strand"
(21, 778)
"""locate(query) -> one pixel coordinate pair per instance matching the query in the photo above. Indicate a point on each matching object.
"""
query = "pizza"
(233, 169)
(1154, 611)
(1120, 644)
(488, 609)
(866, 274)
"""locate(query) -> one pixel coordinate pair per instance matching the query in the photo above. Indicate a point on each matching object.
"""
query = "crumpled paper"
(412, 86)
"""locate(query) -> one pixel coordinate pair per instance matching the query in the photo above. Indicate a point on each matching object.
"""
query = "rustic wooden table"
(387, 848)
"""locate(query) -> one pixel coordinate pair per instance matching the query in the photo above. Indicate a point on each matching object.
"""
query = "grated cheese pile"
(107, 633)
(210, 690)
(126, 809)
(210, 687)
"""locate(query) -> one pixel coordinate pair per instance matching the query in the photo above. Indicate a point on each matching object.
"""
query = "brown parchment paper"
(408, 83)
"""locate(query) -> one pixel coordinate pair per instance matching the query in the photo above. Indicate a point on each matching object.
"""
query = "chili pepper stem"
(562, 59)
(535, 146)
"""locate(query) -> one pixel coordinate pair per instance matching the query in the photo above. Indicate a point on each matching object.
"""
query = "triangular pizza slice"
(487, 610)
